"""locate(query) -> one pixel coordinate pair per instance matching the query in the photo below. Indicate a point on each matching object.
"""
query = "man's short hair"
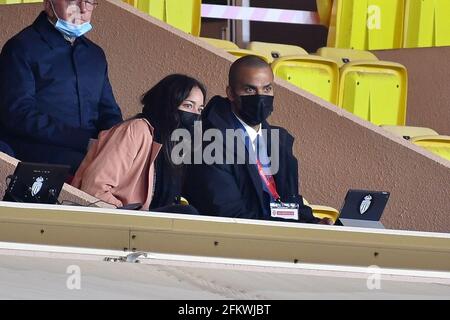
(244, 62)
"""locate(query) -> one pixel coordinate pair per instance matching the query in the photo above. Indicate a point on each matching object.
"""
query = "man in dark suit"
(55, 94)
(262, 181)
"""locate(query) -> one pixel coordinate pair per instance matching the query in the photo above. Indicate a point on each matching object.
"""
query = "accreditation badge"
(288, 211)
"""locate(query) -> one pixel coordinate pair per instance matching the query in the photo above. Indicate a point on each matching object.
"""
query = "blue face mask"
(69, 29)
(72, 30)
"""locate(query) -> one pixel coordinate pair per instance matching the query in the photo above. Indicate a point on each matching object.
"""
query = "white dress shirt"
(259, 150)
(252, 133)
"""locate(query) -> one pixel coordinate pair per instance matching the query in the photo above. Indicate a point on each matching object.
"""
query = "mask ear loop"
(53, 9)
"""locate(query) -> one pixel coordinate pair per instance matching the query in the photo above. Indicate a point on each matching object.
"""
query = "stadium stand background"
(337, 150)
(428, 89)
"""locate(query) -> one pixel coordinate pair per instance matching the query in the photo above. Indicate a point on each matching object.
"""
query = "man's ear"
(234, 99)
(48, 9)
(230, 94)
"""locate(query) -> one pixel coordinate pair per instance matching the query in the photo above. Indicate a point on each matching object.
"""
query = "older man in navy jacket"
(55, 94)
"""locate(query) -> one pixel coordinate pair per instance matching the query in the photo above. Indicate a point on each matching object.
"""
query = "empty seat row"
(425, 138)
(386, 24)
(356, 24)
(184, 15)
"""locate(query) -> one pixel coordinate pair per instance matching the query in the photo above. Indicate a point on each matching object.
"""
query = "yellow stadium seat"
(324, 9)
(375, 91)
(408, 132)
(10, 1)
(343, 56)
(219, 43)
(243, 52)
(439, 145)
(314, 74)
(184, 15)
(427, 23)
(366, 24)
(134, 3)
(325, 212)
(274, 50)
(31, 1)
(155, 8)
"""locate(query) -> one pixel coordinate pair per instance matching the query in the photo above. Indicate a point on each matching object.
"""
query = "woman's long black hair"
(161, 104)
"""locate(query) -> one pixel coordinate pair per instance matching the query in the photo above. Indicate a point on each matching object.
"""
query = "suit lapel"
(251, 169)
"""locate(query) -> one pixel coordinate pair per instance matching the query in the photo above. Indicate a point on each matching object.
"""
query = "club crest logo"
(37, 185)
(365, 204)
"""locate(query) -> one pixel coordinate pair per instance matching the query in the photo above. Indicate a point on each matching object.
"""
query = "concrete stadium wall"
(429, 81)
(337, 151)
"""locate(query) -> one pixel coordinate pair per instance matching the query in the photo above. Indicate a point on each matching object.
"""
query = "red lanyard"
(269, 181)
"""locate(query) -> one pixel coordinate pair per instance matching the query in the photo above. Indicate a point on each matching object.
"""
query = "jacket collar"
(51, 35)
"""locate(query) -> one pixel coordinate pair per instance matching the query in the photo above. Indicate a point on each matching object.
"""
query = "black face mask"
(255, 108)
(187, 119)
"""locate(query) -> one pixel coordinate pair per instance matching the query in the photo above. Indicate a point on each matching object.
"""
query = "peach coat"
(119, 167)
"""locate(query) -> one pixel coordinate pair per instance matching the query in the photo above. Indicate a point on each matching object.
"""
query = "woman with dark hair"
(131, 162)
